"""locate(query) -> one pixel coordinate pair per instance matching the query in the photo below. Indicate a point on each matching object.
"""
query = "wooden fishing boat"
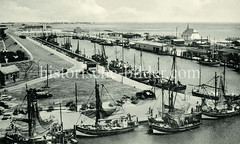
(165, 83)
(100, 57)
(160, 127)
(223, 107)
(214, 63)
(78, 50)
(32, 129)
(105, 127)
(202, 90)
(173, 121)
(119, 66)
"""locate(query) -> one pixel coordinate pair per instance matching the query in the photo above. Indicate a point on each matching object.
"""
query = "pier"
(68, 52)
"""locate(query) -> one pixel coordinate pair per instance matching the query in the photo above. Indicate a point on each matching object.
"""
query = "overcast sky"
(120, 10)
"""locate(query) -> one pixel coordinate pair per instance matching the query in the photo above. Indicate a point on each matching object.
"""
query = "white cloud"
(53, 10)
(120, 10)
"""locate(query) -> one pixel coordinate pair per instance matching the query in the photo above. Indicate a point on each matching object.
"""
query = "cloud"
(125, 14)
(120, 10)
(53, 10)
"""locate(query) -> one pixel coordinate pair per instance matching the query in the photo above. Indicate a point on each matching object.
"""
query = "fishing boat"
(223, 107)
(105, 127)
(67, 44)
(119, 66)
(30, 128)
(101, 57)
(77, 50)
(173, 120)
(139, 75)
(165, 83)
(206, 90)
(209, 62)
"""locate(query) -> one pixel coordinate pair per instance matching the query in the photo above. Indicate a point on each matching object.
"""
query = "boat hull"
(118, 69)
(84, 132)
(198, 94)
(180, 88)
(228, 97)
(155, 129)
(215, 115)
(214, 64)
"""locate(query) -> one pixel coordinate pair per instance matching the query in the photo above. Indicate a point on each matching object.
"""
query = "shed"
(8, 74)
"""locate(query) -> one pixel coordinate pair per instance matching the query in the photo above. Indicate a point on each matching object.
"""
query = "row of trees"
(12, 56)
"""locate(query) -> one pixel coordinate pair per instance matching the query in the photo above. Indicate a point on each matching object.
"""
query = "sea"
(211, 132)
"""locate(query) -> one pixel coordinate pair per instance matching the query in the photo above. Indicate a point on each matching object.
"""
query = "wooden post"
(61, 117)
(76, 96)
(47, 77)
(215, 89)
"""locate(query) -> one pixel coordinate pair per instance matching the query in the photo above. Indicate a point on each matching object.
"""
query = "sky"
(119, 11)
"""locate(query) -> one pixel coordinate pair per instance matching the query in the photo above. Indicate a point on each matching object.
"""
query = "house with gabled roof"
(190, 34)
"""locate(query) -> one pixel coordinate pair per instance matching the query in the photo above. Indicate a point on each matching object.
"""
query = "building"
(190, 34)
(2, 31)
(115, 34)
(177, 42)
(131, 35)
(150, 46)
(8, 74)
(77, 30)
(91, 65)
(37, 28)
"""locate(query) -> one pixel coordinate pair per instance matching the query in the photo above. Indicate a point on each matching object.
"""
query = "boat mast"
(224, 78)
(122, 51)
(200, 73)
(134, 62)
(215, 89)
(174, 66)
(163, 107)
(116, 52)
(61, 116)
(170, 98)
(29, 111)
(77, 51)
(98, 103)
(141, 61)
(47, 77)
(95, 51)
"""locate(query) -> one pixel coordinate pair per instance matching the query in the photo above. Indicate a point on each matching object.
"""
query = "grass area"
(29, 69)
(64, 90)
(11, 45)
(44, 57)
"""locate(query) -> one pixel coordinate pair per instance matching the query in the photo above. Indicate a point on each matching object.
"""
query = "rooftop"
(36, 26)
(150, 43)
(189, 31)
(9, 69)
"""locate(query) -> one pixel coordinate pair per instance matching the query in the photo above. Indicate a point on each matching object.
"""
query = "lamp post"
(38, 66)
